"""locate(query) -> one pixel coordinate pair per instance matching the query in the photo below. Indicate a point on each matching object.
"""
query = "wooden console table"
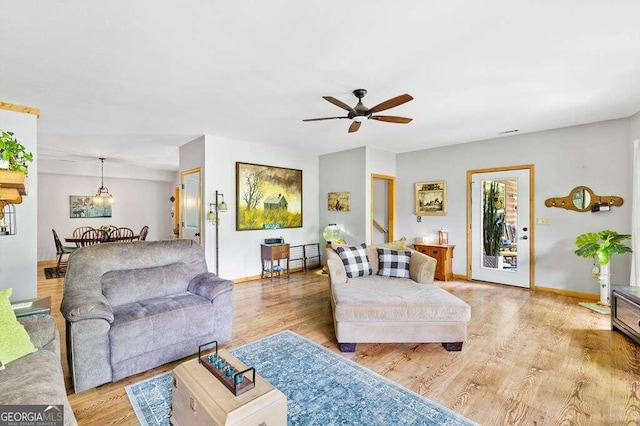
(271, 256)
(443, 254)
(625, 311)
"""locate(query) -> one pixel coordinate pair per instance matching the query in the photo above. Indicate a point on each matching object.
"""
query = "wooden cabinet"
(275, 258)
(625, 311)
(443, 254)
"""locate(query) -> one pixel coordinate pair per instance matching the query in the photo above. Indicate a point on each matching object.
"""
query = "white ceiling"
(133, 80)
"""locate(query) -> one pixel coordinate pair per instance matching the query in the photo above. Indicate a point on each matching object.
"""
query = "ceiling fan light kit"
(360, 112)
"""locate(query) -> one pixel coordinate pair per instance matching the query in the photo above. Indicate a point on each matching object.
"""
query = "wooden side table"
(443, 254)
(39, 305)
(271, 256)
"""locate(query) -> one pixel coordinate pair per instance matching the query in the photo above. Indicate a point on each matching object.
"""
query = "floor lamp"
(212, 216)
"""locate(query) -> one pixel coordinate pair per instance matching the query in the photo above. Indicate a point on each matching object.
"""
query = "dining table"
(108, 239)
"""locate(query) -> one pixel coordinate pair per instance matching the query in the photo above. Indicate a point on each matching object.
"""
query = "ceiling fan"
(359, 113)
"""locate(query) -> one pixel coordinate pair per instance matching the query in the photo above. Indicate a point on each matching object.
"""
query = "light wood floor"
(531, 358)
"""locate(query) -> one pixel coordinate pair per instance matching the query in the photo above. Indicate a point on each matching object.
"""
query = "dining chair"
(93, 236)
(143, 233)
(77, 233)
(114, 234)
(125, 235)
(61, 251)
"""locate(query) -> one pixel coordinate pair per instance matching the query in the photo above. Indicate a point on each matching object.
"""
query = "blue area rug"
(322, 388)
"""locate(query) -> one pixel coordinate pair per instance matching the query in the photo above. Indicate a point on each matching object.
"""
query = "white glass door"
(500, 227)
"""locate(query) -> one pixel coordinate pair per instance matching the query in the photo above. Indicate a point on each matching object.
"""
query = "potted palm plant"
(601, 246)
(14, 154)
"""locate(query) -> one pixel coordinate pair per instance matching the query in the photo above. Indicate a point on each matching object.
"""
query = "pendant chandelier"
(103, 197)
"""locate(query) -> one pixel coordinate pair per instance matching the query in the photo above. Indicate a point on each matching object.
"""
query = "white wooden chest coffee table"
(199, 398)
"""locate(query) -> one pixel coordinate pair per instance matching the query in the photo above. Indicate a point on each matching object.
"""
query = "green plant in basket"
(14, 153)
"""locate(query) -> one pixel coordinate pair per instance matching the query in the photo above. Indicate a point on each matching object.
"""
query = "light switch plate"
(543, 221)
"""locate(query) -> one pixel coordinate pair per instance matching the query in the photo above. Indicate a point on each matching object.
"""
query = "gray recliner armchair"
(130, 307)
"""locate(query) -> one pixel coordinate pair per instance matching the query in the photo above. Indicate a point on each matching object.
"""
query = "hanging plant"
(14, 153)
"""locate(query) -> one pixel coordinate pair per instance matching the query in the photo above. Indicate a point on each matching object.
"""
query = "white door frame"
(184, 232)
(532, 233)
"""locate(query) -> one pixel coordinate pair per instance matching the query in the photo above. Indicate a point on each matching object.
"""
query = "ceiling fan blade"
(390, 103)
(339, 103)
(354, 126)
(319, 119)
(391, 119)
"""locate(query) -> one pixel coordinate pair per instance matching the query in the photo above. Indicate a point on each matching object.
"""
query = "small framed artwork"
(431, 198)
(339, 201)
(83, 206)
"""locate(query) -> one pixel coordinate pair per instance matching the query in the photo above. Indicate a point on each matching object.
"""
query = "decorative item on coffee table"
(230, 376)
(205, 392)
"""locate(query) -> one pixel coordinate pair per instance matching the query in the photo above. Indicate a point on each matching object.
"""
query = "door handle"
(197, 234)
(525, 229)
(525, 238)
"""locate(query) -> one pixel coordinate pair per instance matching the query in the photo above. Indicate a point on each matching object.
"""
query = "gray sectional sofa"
(37, 379)
(380, 309)
(134, 306)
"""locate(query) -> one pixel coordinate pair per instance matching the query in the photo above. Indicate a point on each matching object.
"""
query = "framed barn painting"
(83, 206)
(431, 198)
(267, 197)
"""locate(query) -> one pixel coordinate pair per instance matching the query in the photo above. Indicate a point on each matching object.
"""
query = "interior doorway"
(191, 200)
(383, 201)
(500, 233)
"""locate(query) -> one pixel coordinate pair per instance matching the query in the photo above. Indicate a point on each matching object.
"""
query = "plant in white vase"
(602, 246)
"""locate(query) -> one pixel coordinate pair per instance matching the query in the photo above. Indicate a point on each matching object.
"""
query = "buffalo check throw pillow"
(394, 263)
(355, 260)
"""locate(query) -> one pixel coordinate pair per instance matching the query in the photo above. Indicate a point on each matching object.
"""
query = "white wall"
(18, 255)
(345, 171)
(380, 163)
(597, 155)
(240, 250)
(634, 127)
(137, 203)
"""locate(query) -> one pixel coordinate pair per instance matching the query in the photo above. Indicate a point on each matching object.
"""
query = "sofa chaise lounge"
(382, 309)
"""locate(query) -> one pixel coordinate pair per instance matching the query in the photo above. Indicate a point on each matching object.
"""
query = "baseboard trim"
(283, 276)
(570, 293)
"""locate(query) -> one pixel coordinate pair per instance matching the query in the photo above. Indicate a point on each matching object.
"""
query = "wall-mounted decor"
(268, 197)
(339, 201)
(431, 198)
(582, 199)
(83, 206)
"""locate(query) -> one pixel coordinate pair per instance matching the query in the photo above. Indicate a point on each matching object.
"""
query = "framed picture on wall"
(83, 206)
(431, 198)
(339, 201)
(268, 197)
